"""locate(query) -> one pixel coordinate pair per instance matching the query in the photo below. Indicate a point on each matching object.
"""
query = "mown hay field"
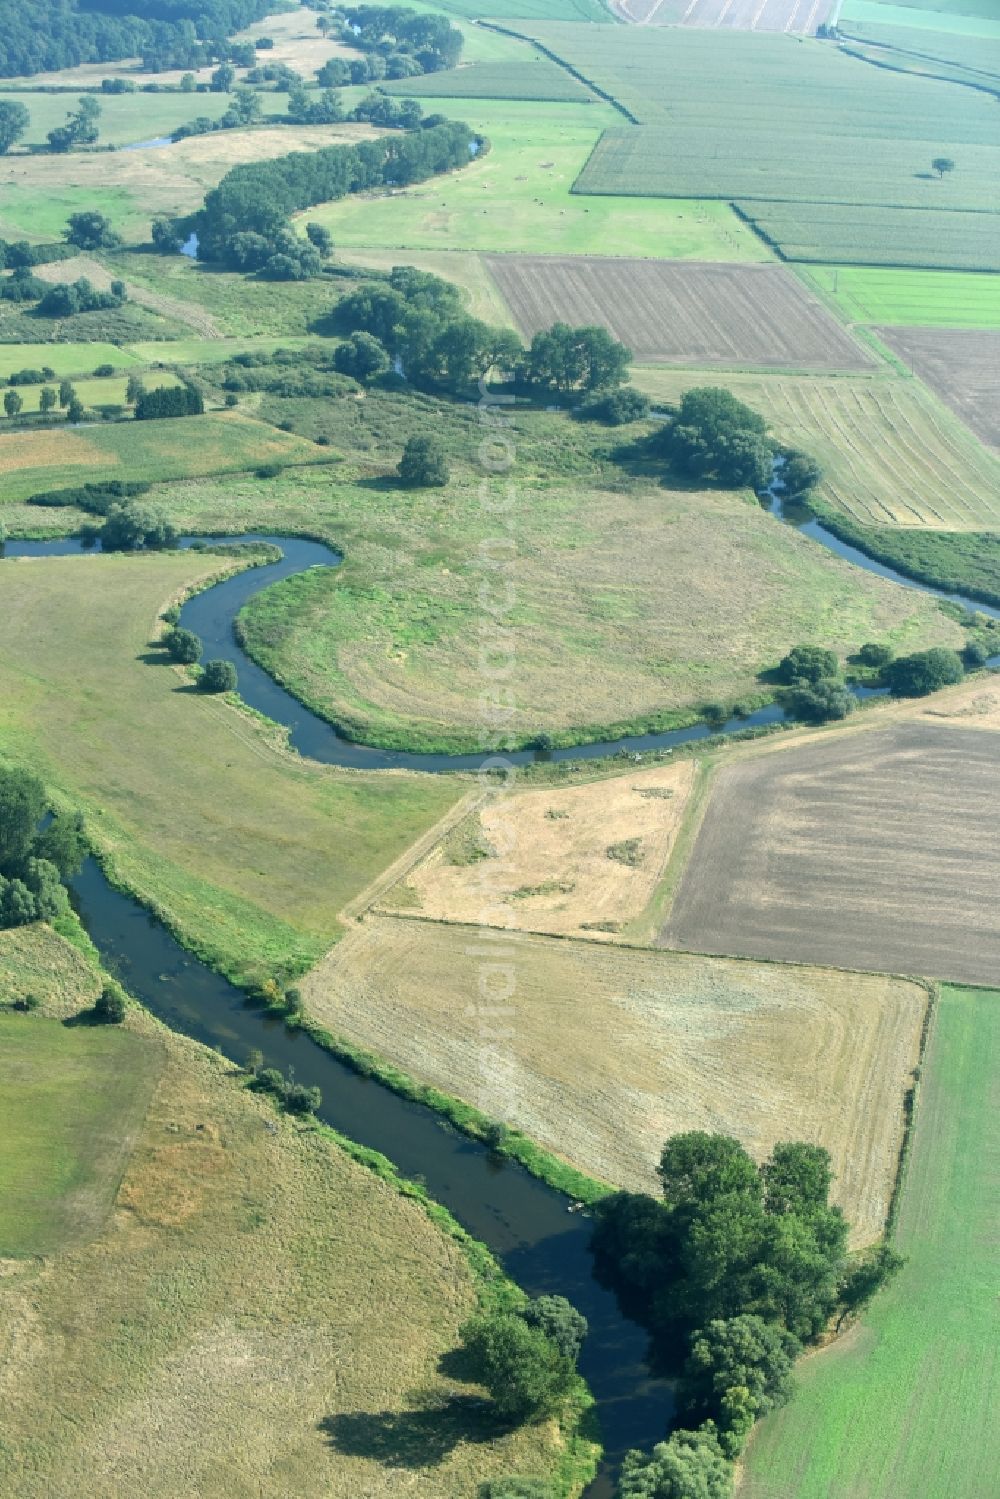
(692, 314)
(631, 607)
(601, 1052)
(178, 448)
(963, 366)
(876, 848)
(568, 860)
(906, 298)
(519, 198)
(248, 851)
(904, 1403)
(891, 454)
(797, 17)
(227, 1331)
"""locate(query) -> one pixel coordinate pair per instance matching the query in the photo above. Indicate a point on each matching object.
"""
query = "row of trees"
(738, 1266)
(258, 198)
(34, 860)
(816, 690)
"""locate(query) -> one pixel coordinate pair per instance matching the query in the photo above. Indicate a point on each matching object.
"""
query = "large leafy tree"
(691, 1465)
(14, 121)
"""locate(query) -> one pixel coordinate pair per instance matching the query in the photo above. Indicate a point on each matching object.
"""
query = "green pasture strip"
(72, 1099)
(65, 359)
(903, 1405)
(892, 297)
(534, 77)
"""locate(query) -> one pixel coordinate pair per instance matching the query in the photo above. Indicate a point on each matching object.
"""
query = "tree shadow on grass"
(420, 1438)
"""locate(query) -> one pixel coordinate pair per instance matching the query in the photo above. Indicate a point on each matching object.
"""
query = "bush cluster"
(715, 436)
(526, 1358)
(34, 860)
(295, 1098)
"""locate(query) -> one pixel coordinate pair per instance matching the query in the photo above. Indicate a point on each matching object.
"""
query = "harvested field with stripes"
(891, 453)
(962, 365)
(605, 1051)
(799, 17)
(693, 313)
(876, 848)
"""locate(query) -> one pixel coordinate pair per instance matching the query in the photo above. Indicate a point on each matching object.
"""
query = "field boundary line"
(397, 871)
(562, 63)
(911, 1103)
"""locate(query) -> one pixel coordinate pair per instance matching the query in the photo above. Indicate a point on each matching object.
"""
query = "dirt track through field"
(757, 316)
(877, 849)
(799, 17)
(962, 365)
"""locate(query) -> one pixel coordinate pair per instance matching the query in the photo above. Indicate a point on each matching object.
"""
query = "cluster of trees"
(295, 1098)
(526, 1357)
(406, 41)
(169, 401)
(816, 690)
(90, 230)
(81, 127)
(739, 1265)
(22, 285)
(14, 121)
(42, 36)
(244, 110)
(18, 254)
(185, 647)
(66, 298)
(131, 526)
(565, 359)
(34, 861)
(249, 210)
(96, 499)
(717, 437)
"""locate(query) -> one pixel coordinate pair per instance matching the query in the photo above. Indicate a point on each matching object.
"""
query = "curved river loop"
(531, 1228)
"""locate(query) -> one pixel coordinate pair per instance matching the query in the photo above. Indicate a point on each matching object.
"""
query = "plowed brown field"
(962, 365)
(601, 1052)
(693, 313)
(873, 849)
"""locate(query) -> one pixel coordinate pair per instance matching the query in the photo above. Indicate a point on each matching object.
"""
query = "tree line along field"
(247, 851)
(835, 850)
(891, 454)
(107, 392)
(650, 1043)
(973, 60)
(903, 1404)
(962, 366)
(32, 460)
(924, 299)
(519, 198)
(798, 17)
(214, 1317)
(693, 314)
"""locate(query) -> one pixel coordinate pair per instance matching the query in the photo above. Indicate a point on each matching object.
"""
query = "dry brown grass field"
(568, 860)
(257, 1315)
(682, 313)
(607, 1050)
(891, 453)
(877, 848)
(962, 365)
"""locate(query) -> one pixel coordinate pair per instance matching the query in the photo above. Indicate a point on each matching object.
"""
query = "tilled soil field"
(671, 313)
(601, 1052)
(800, 17)
(878, 849)
(962, 365)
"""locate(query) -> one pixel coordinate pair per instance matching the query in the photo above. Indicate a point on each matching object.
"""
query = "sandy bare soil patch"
(571, 860)
(669, 312)
(878, 849)
(602, 1052)
(800, 17)
(962, 365)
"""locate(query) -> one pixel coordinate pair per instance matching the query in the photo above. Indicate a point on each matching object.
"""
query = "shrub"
(298, 1099)
(616, 408)
(183, 645)
(110, 1006)
(691, 1465)
(218, 676)
(25, 1003)
(103, 370)
(560, 1321)
(924, 672)
(975, 654)
(873, 654)
(523, 1370)
(423, 464)
(807, 663)
(820, 702)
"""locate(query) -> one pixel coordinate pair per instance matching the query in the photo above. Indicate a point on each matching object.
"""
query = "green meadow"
(905, 1403)
(903, 298)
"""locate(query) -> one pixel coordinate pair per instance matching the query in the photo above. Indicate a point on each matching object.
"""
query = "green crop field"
(962, 17)
(903, 1405)
(532, 77)
(519, 198)
(250, 852)
(43, 458)
(71, 1102)
(902, 298)
(869, 235)
(891, 453)
(973, 60)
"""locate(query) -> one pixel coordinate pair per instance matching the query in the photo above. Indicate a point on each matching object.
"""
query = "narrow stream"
(543, 1246)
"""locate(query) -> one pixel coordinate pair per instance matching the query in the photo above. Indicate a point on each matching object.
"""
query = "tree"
(716, 436)
(109, 1008)
(75, 411)
(188, 83)
(165, 236)
(737, 1370)
(807, 663)
(560, 1321)
(12, 402)
(63, 843)
(66, 392)
(690, 1465)
(362, 357)
(320, 238)
(183, 646)
(218, 676)
(47, 398)
(974, 655)
(942, 164)
(134, 525)
(800, 473)
(22, 807)
(423, 464)
(134, 390)
(91, 231)
(820, 702)
(873, 654)
(697, 1168)
(523, 1370)
(80, 128)
(923, 672)
(222, 79)
(866, 1277)
(14, 121)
